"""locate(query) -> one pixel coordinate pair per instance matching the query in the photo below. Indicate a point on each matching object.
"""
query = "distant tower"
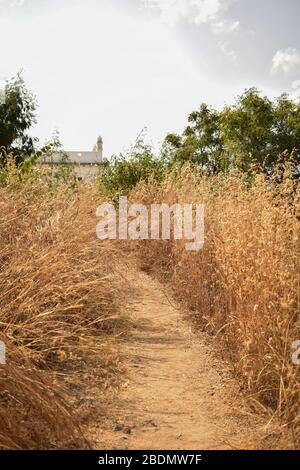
(99, 145)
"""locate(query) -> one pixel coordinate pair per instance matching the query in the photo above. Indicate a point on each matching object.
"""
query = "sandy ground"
(177, 394)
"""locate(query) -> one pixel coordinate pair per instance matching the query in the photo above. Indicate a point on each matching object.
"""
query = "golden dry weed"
(243, 286)
(59, 310)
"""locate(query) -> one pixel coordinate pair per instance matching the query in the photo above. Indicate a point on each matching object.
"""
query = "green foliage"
(201, 142)
(122, 173)
(15, 175)
(62, 173)
(258, 131)
(17, 115)
(254, 132)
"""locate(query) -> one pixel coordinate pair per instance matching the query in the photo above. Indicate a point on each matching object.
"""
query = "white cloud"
(295, 94)
(92, 76)
(225, 26)
(12, 3)
(195, 11)
(286, 60)
(296, 84)
(228, 52)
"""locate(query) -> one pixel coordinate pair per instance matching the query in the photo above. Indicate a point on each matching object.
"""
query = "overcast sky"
(111, 67)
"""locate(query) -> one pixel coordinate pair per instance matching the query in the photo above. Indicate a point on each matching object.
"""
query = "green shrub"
(123, 172)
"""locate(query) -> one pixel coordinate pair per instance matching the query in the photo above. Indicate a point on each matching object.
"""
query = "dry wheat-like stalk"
(244, 284)
(60, 303)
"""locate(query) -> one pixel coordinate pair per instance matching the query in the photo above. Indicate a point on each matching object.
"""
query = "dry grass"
(243, 287)
(61, 296)
(59, 309)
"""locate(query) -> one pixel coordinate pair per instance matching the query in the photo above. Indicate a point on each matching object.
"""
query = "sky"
(113, 67)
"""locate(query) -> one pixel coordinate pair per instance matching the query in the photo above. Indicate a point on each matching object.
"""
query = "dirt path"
(178, 395)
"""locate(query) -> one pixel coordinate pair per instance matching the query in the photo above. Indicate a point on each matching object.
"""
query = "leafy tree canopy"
(125, 171)
(254, 131)
(17, 116)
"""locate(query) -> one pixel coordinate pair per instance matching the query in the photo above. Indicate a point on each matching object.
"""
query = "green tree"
(17, 115)
(201, 141)
(255, 131)
(246, 129)
(123, 172)
(286, 126)
(258, 131)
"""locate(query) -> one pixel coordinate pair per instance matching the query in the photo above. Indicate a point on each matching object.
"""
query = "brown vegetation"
(61, 295)
(243, 287)
(59, 310)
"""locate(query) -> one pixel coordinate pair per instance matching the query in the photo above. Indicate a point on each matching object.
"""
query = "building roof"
(82, 158)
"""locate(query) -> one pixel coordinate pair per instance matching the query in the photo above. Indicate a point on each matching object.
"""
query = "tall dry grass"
(243, 286)
(60, 304)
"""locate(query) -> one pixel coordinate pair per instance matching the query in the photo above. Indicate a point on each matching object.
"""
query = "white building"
(85, 164)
